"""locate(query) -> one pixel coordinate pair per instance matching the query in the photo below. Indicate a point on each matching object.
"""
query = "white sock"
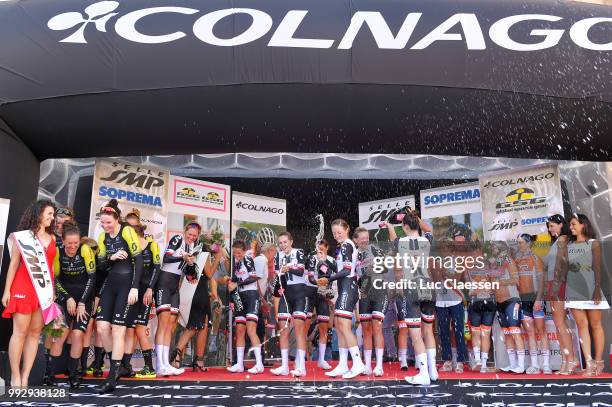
(322, 347)
(431, 359)
(367, 357)
(454, 354)
(240, 355)
(301, 359)
(380, 352)
(476, 353)
(511, 357)
(521, 358)
(421, 364)
(483, 358)
(533, 354)
(285, 358)
(355, 354)
(343, 363)
(159, 355)
(165, 358)
(402, 356)
(546, 358)
(257, 351)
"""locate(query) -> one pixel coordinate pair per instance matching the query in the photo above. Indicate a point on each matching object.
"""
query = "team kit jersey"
(415, 305)
(318, 298)
(373, 300)
(348, 290)
(246, 296)
(293, 303)
(151, 269)
(167, 295)
(123, 275)
(75, 278)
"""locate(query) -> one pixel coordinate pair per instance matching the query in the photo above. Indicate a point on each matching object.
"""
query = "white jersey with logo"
(177, 247)
(417, 249)
(347, 258)
(295, 260)
(244, 269)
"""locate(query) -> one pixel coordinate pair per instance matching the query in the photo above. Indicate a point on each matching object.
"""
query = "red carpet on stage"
(392, 372)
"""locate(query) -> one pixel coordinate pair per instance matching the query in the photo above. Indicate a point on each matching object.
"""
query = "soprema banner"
(143, 187)
(519, 201)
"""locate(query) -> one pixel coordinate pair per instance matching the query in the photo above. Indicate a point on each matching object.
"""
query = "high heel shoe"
(570, 368)
(176, 357)
(599, 367)
(563, 367)
(197, 367)
(591, 368)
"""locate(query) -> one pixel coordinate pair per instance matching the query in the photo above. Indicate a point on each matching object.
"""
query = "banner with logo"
(453, 210)
(519, 201)
(4, 212)
(207, 203)
(144, 187)
(373, 214)
(257, 217)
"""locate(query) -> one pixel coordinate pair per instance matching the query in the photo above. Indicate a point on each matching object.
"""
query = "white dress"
(581, 278)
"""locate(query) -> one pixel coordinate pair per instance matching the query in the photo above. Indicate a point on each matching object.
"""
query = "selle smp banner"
(180, 43)
(520, 201)
(134, 186)
(373, 214)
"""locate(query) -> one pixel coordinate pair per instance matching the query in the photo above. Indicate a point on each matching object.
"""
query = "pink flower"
(215, 247)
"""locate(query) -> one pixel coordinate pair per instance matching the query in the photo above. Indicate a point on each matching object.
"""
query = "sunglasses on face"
(64, 212)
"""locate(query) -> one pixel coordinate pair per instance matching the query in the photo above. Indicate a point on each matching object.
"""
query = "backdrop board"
(144, 187)
(373, 214)
(207, 203)
(453, 209)
(519, 201)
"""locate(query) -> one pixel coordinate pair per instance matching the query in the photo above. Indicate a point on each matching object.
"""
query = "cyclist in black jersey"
(178, 260)
(142, 309)
(119, 249)
(321, 266)
(292, 305)
(75, 271)
(62, 214)
(373, 300)
(348, 295)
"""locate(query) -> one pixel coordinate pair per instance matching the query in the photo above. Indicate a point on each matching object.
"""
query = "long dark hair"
(588, 231)
(559, 220)
(31, 218)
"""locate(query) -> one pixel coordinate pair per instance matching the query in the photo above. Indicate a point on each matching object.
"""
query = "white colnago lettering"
(204, 26)
(283, 36)
(471, 30)
(380, 30)
(126, 25)
(579, 33)
(499, 33)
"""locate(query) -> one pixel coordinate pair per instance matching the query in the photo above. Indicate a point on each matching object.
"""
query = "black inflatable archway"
(105, 78)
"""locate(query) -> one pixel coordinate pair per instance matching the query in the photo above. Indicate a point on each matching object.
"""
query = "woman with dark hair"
(178, 259)
(142, 308)
(200, 314)
(75, 272)
(20, 298)
(120, 251)
(556, 271)
(583, 291)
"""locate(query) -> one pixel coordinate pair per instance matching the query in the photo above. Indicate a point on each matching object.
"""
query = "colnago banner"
(258, 209)
(519, 201)
(4, 212)
(143, 187)
(453, 210)
(372, 214)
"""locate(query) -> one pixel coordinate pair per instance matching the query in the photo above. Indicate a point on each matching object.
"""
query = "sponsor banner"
(134, 186)
(519, 201)
(259, 209)
(207, 203)
(451, 200)
(4, 211)
(204, 198)
(373, 213)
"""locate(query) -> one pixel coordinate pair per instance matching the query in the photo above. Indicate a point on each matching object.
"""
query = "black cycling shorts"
(167, 295)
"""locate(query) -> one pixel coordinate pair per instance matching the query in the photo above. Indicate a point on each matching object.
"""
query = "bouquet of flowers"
(214, 240)
(55, 327)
